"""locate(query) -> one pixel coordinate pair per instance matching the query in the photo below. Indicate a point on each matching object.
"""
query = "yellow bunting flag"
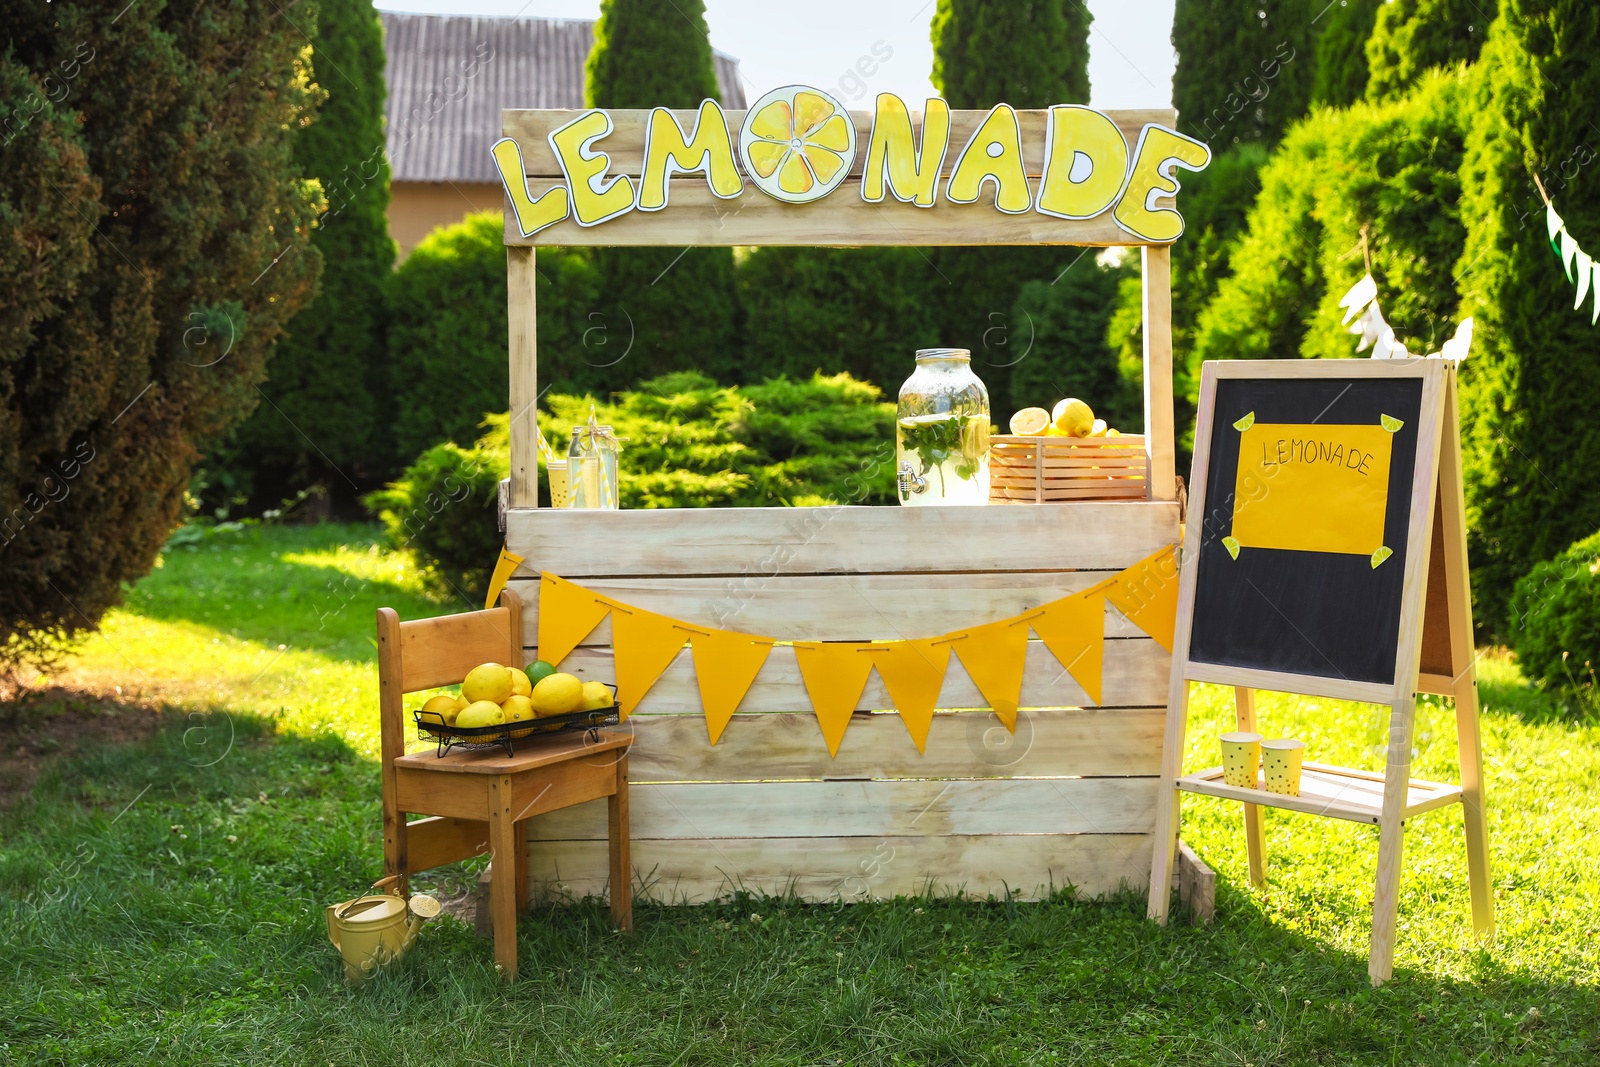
(567, 613)
(644, 645)
(1074, 630)
(994, 655)
(725, 665)
(503, 568)
(835, 673)
(913, 672)
(1147, 593)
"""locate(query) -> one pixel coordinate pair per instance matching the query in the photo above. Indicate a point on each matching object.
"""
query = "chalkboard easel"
(1325, 554)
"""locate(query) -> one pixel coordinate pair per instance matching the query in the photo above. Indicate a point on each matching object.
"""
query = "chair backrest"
(427, 653)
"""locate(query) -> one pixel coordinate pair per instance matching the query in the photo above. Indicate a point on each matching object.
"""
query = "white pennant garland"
(1581, 269)
(1361, 304)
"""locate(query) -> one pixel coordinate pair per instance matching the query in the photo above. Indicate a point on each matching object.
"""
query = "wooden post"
(391, 743)
(1160, 446)
(1255, 838)
(621, 863)
(502, 877)
(1464, 673)
(522, 320)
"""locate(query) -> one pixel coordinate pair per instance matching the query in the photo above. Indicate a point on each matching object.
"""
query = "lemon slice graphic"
(797, 144)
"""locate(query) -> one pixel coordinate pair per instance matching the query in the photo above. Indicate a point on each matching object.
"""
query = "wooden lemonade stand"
(1071, 797)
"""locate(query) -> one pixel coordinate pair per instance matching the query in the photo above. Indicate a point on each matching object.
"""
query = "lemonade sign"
(798, 144)
(1312, 487)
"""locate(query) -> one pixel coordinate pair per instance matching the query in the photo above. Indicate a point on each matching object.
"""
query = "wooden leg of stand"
(1391, 842)
(1165, 834)
(621, 867)
(1255, 834)
(502, 882)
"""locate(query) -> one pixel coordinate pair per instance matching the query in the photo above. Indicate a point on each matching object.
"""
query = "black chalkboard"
(1319, 614)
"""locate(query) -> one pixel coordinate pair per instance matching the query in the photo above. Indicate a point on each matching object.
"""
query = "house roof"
(449, 76)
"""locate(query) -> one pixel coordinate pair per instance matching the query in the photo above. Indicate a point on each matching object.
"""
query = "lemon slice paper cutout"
(1390, 423)
(797, 144)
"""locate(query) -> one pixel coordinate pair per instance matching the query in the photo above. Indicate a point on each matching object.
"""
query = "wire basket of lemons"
(499, 705)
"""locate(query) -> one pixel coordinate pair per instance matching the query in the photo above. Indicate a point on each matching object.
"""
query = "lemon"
(539, 670)
(557, 695)
(444, 705)
(1030, 422)
(596, 695)
(797, 144)
(520, 686)
(481, 713)
(487, 681)
(517, 708)
(1073, 417)
(1099, 428)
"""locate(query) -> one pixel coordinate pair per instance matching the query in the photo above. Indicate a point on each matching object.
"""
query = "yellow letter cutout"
(993, 155)
(593, 200)
(532, 215)
(912, 174)
(1152, 178)
(1085, 163)
(665, 152)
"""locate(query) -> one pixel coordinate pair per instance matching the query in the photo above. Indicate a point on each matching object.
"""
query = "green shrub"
(1070, 353)
(1341, 76)
(1555, 618)
(327, 382)
(863, 311)
(153, 243)
(444, 510)
(1530, 389)
(1244, 69)
(447, 331)
(1411, 36)
(687, 442)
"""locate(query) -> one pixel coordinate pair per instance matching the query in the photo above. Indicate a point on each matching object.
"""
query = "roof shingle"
(450, 76)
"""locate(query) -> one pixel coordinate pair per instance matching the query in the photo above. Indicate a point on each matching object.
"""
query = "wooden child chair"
(479, 800)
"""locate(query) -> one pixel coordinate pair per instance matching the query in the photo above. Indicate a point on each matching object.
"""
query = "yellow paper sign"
(1312, 487)
(1074, 630)
(503, 569)
(835, 673)
(1147, 593)
(567, 613)
(725, 665)
(994, 656)
(644, 645)
(913, 672)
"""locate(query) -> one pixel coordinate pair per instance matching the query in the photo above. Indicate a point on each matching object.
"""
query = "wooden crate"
(1046, 470)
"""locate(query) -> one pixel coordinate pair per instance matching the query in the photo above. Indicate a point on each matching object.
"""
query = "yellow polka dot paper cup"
(557, 471)
(1241, 756)
(1280, 764)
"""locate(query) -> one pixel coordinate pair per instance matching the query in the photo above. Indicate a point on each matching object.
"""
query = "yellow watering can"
(373, 930)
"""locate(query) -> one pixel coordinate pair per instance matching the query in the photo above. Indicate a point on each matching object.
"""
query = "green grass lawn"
(183, 801)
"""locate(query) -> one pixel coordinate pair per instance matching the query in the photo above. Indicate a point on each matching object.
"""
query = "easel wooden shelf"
(1337, 792)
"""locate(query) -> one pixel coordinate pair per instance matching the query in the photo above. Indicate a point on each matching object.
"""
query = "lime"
(539, 670)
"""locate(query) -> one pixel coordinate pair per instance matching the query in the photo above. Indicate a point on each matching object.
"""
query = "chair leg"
(621, 868)
(502, 882)
(521, 831)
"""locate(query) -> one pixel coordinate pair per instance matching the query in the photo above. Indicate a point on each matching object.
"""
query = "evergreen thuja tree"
(661, 309)
(1029, 54)
(1412, 36)
(1341, 73)
(325, 415)
(1531, 386)
(153, 242)
(1245, 68)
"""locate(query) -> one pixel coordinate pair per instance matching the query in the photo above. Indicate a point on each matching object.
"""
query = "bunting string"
(994, 654)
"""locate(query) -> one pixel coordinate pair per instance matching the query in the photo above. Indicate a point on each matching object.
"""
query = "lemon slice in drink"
(1030, 422)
